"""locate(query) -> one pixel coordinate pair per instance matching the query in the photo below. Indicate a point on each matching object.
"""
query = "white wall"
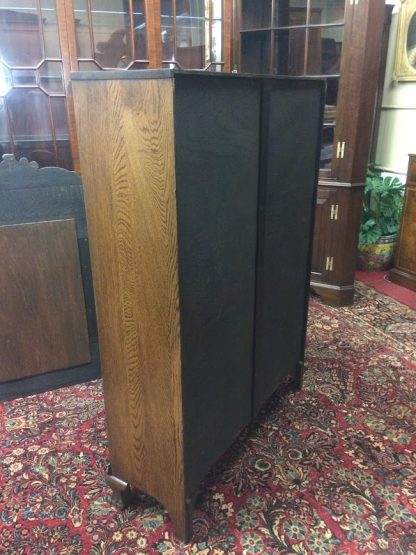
(397, 133)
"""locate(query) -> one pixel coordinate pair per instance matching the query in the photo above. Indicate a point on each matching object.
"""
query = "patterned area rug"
(331, 469)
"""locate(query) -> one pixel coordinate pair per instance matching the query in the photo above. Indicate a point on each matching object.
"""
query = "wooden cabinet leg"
(296, 382)
(182, 521)
(123, 495)
(181, 515)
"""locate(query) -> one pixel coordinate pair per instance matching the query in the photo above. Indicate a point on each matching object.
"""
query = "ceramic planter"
(379, 256)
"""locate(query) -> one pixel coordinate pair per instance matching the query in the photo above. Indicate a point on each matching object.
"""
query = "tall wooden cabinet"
(404, 271)
(340, 41)
(200, 221)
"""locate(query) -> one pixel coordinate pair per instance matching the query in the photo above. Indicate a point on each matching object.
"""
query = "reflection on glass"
(255, 52)
(327, 11)
(88, 66)
(60, 124)
(24, 77)
(31, 125)
(20, 43)
(324, 51)
(190, 33)
(411, 42)
(139, 25)
(5, 80)
(327, 146)
(216, 47)
(111, 32)
(289, 52)
(4, 130)
(50, 29)
(29, 114)
(168, 32)
(291, 12)
(82, 29)
(256, 15)
(50, 77)
(216, 9)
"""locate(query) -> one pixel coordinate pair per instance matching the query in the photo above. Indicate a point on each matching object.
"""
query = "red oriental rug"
(331, 469)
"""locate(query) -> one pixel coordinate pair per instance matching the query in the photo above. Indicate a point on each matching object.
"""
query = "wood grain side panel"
(406, 252)
(128, 172)
(43, 323)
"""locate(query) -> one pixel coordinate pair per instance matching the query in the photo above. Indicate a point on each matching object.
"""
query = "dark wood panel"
(217, 174)
(42, 319)
(53, 380)
(129, 179)
(286, 214)
(358, 86)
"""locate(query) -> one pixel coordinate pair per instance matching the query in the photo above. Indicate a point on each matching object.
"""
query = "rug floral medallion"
(330, 469)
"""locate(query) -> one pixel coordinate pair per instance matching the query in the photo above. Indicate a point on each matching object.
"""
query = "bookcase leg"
(123, 495)
(182, 521)
(297, 380)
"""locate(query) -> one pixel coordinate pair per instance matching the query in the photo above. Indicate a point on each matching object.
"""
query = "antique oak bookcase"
(200, 218)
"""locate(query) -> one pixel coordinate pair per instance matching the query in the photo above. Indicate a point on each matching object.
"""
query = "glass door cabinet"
(42, 41)
(339, 41)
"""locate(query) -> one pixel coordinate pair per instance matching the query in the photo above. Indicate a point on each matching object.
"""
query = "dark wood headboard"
(48, 330)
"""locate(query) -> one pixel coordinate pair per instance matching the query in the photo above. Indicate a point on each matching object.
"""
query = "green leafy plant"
(382, 206)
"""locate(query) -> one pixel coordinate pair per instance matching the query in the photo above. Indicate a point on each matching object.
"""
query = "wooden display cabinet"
(404, 271)
(342, 43)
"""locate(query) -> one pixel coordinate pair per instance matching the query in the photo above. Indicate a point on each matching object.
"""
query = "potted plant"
(380, 220)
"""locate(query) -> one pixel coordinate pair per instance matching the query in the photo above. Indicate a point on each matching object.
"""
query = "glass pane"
(140, 36)
(4, 130)
(327, 11)
(50, 77)
(327, 146)
(20, 43)
(255, 52)
(216, 47)
(411, 41)
(289, 52)
(22, 77)
(257, 14)
(190, 33)
(50, 29)
(82, 29)
(330, 119)
(5, 80)
(111, 32)
(166, 8)
(31, 125)
(291, 12)
(139, 65)
(332, 85)
(60, 122)
(29, 114)
(88, 66)
(324, 50)
(216, 9)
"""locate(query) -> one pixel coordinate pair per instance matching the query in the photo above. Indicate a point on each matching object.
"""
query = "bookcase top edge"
(122, 74)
